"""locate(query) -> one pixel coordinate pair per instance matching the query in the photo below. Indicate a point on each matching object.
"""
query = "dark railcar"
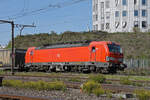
(6, 58)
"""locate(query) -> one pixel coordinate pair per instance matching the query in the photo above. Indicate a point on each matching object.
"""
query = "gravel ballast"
(69, 94)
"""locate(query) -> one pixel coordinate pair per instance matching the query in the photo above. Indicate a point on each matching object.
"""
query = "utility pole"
(13, 53)
(21, 27)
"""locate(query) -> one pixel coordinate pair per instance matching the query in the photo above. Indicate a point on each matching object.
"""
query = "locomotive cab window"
(114, 48)
(31, 53)
(93, 49)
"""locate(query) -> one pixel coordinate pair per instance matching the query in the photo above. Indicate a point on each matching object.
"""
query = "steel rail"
(66, 77)
(15, 97)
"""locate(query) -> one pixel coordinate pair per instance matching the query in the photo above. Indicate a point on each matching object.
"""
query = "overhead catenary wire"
(49, 7)
(45, 9)
(18, 13)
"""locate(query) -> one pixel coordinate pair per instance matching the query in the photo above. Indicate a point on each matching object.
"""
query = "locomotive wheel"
(67, 68)
(48, 70)
(92, 69)
(98, 70)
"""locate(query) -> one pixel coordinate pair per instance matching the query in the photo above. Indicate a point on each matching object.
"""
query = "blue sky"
(48, 15)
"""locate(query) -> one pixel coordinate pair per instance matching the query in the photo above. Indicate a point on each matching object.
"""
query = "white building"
(121, 15)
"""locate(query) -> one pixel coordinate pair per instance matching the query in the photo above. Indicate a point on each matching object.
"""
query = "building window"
(136, 24)
(124, 2)
(96, 7)
(143, 2)
(102, 10)
(107, 25)
(96, 27)
(143, 13)
(93, 8)
(135, 2)
(96, 17)
(144, 24)
(107, 4)
(102, 17)
(124, 13)
(117, 24)
(124, 24)
(135, 12)
(102, 26)
(117, 14)
(102, 4)
(107, 15)
(117, 2)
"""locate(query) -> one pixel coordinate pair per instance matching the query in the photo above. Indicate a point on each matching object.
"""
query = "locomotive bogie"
(72, 67)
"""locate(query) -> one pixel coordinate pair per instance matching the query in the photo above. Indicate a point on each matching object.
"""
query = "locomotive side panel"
(101, 51)
(29, 55)
(104, 53)
(73, 54)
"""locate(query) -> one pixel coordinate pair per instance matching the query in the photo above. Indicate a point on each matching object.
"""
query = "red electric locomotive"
(95, 56)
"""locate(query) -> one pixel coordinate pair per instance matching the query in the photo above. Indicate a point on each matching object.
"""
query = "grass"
(98, 91)
(40, 85)
(98, 78)
(128, 81)
(140, 78)
(142, 94)
(2, 72)
(137, 84)
(49, 74)
(89, 86)
(38, 74)
(136, 71)
(53, 74)
(74, 79)
(95, 88)
(125, 81)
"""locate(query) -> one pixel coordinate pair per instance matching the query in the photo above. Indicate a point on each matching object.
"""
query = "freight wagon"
(6, 58)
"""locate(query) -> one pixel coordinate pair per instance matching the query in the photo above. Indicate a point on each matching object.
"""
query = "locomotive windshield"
(114, 48)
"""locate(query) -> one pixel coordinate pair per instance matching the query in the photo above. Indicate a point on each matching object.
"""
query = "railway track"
(46, 78)
(15, 97)
(114, 88)
(77, 85)
(138, 81)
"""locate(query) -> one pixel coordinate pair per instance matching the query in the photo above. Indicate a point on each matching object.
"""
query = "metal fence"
(138, 63)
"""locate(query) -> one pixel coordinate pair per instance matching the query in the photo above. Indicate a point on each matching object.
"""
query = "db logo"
(58, 55)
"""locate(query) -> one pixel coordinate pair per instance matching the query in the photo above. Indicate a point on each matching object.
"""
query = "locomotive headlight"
(109, 58)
